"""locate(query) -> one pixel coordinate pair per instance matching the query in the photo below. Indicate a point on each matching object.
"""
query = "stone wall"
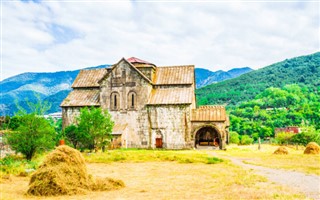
(69, 115)
(172, 124)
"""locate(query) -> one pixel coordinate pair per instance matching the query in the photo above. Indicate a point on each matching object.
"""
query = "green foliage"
(234, 137)
(308, 135)
(94, 128)
(16, 164)
(214, 160)
(71, 134)
(34, 134)
(37, 107)
(275, 108)
(303, 71)
(246, 140)
(283, 138)
(144, 155)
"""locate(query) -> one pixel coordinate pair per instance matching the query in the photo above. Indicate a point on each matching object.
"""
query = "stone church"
(152, 107)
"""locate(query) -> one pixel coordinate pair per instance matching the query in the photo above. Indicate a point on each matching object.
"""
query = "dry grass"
(281, 151)
(64, 172)
(312, 148)
(170, 180)
(182, 175)
(295, 160)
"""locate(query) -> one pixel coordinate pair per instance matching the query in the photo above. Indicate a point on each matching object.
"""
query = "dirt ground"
(169, 180)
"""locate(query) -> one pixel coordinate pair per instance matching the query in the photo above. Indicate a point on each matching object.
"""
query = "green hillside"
(303, 71)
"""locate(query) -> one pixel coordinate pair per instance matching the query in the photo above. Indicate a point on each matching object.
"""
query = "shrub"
(234, 137)
(284, 138)
(246, 140)
(310, 135)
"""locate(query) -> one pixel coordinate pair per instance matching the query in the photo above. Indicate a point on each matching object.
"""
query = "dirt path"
(308, 184)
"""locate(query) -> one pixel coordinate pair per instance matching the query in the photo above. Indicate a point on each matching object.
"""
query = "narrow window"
(132, 100)
(115, 101)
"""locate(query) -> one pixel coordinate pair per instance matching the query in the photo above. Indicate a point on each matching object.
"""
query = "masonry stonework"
(152, 107)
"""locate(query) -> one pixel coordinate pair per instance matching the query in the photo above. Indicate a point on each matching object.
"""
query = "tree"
(70, 133)
(32, 132)
(246, 140)
(234, 137)
(33, 135)
(94, 127)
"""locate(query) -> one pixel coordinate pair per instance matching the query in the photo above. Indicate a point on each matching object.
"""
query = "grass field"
(295, 160)
(187, 174)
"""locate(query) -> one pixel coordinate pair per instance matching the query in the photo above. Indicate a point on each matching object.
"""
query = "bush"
(310, 135)
(234, 137)
(284, 138)
(246, 140)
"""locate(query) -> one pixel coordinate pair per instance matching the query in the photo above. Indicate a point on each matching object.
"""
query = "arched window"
(132, 100)
(114, 101)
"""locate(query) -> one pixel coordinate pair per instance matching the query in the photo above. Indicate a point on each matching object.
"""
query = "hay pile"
(312, 148)
(281, 150)
(64, 172)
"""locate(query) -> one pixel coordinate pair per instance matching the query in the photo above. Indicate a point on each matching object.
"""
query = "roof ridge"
(175, 66)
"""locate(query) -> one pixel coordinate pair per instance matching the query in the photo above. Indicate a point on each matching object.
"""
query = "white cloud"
(52, 35)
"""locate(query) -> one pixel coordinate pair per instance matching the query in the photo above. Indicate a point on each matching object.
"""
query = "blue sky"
(47, 36)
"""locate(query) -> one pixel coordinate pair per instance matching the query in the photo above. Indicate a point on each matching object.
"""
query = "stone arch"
(207, 135)
(132, 100)
(114, 101)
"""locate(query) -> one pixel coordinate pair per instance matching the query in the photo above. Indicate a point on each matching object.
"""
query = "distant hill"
(303, 70)
(53, 87)
(206, 77)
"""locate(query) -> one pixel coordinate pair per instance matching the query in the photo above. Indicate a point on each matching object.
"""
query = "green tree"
(34, 134)
(94, 127)
(234, 137)
(246, 140)
(70, 133)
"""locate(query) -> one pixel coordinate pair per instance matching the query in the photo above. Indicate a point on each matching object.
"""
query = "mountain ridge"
(302, 70)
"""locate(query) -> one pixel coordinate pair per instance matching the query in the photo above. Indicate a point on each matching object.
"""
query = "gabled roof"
(209, 113)
(169, 96)
(131, 65)
(88, 78)
(82, 97)
(174, 75)
(137, 60)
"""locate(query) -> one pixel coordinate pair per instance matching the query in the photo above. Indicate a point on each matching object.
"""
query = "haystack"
(312, 148)
(64, 172)
(281, 150)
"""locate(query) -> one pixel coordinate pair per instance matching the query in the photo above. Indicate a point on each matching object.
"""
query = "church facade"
(152, 107)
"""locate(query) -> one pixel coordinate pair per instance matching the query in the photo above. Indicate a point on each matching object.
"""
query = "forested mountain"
(53, 87)
(290, 105)
(303, 70)
(206, 77)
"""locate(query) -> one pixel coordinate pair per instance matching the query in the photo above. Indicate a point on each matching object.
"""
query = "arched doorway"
(207, 136)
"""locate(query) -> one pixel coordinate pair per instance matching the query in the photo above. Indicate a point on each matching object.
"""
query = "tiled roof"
(209, 113)
(89, 78)
(174, 75)
(168, 96)
(81, 97)
(137, 60)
